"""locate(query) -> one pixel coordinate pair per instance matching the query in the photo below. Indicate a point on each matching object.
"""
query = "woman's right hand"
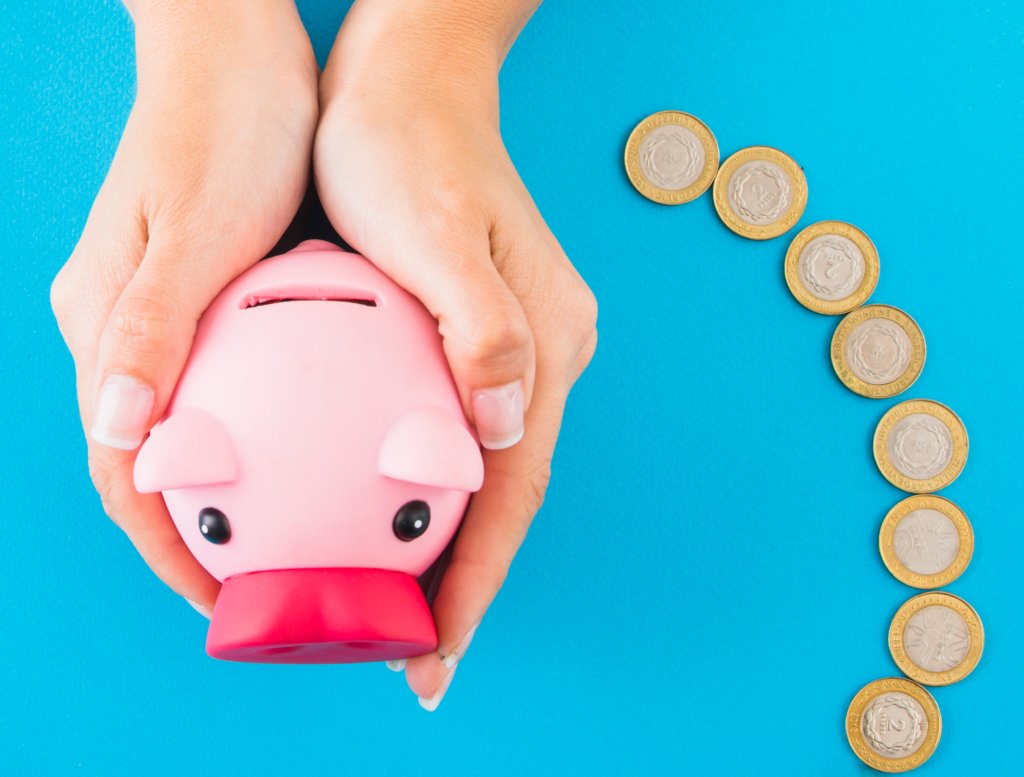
(211, 168)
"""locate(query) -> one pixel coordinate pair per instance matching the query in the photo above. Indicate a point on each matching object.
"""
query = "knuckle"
(578, 326)
(501, 333)
(143, 322)
(584, 312)
(63, 294)
(538, 478)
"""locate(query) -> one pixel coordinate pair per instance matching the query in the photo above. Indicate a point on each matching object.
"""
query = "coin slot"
(310, 293)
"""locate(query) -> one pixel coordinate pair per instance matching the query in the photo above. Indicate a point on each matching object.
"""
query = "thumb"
(487, 338)
(145, 343)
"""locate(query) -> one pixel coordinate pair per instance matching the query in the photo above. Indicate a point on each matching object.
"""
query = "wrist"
(172, 15)
(481, 29)
(446, 52)
(186, 40)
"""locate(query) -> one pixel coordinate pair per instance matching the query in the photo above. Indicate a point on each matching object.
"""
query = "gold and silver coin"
(893, 725)
(926, 541)
(878, 351)
(760, 192)
(936, 638)
(920, 446)
(831, 267)
(671, 157)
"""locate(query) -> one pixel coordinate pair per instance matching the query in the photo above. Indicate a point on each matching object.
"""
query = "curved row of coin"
(878, 351)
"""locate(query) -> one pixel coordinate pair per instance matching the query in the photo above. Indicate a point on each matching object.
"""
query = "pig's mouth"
(259, 298)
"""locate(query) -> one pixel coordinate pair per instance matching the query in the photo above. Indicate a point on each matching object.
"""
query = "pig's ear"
(431, 447)
(189, 448)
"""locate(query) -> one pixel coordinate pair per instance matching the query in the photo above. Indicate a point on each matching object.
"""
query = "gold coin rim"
(961, 446)
(887, 534)
(855, 299)
(975, 630)
(656, 193)
(775, 228)
(855, 712)
(918, 351)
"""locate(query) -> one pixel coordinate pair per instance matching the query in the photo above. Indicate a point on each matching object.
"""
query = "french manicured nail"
(198, 608)
(498, 415)
(432, 703)
(397, 665)
(121, 416)
(452, 658)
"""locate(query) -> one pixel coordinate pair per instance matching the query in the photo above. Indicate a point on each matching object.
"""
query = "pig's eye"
(411, 520)
(214, 525)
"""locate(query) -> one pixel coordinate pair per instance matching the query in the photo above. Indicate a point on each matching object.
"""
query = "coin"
(920, 446)
(671, 157)
(893, 725)
(926, 541)
(831, 267)
(878, 351)
(936, 638)
(760, 192)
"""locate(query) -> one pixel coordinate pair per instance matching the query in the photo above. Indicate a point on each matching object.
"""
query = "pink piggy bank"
(315, 459)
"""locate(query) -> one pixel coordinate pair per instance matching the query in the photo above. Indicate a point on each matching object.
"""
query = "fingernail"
(452, 658)
(198, 608)
(397, 665)
(434, 701)
(498, 415)
(122, 413)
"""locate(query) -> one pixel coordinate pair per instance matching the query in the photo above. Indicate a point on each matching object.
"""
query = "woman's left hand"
(412, 172)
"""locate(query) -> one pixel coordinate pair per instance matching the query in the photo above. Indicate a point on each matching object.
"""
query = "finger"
(146, 522)
(494, 528)
(82, 295)
(446, 263)
(141, 353)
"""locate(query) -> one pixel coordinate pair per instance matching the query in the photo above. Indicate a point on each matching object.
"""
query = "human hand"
(211, 168)
(412, 171)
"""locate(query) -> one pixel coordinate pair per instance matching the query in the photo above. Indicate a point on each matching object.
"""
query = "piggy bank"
(315, 459)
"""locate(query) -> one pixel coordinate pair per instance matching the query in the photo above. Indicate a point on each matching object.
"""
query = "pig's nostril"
(281, 649)
(411, 520)
(214, 525)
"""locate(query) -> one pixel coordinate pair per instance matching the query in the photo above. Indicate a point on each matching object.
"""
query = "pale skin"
(402, 131)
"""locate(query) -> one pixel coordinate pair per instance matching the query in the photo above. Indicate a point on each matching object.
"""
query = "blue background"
(702, 592)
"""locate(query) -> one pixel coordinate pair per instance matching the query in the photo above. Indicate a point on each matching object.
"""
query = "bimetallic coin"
(936, 638)
(671, 157)
(878, 351)
(926, 541)
(831, 267)
(760, 192)
(920, 446)
(893, 725)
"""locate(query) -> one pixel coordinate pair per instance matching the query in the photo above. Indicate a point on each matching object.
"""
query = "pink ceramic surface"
(316, 403)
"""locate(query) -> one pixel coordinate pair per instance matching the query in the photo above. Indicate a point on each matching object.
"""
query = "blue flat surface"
(702, 592)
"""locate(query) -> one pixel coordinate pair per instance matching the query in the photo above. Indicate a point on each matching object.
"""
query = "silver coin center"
(894, 725)
(831, 267)
(760, 192)
(936, 638)
(926, 541)
(671, 157)
(878, 351)
(920, 446)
